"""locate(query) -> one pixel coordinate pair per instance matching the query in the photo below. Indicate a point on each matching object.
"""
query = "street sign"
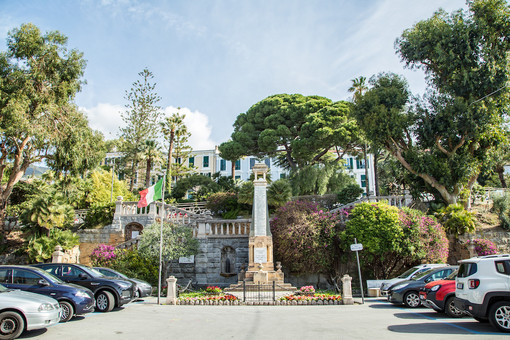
(356, 247)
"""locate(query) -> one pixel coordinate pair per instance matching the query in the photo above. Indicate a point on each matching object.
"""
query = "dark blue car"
(74, 299)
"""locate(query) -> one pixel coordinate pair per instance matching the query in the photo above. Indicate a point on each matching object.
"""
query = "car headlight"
(82, 294)
(400, 286)
(124, 285)
(435, 288)
(45, 307)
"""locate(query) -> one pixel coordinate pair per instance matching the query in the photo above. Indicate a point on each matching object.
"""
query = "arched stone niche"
(228, 261)
(132, 230)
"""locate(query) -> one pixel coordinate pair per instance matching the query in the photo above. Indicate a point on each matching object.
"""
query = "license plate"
(460, 285)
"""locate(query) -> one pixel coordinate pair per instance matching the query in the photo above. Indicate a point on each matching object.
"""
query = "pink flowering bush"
(103, 255)
(483, 247)
(307, 290)
(316, 297)
(305, 236)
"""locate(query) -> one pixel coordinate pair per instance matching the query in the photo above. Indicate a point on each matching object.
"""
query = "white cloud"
(198, 125)
(106, 118)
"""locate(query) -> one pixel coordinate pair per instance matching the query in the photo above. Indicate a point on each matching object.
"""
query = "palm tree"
(359, 86)
(152, 155)
(170, 126)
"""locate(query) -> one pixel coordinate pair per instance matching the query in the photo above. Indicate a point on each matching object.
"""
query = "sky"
(215, 59)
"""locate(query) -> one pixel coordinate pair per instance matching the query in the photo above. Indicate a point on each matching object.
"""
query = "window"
(223, 165)
(191, 161)
(503, 267)
(283, 176)
(238, 164)
(206, 162)
(349, 163)
(178, 160)
(252, 162)
(238, 177)
(5, 276)
(268, 162)
(25, 277)
(467, 269)
(363, 181)
(70, 271)
(360, 164)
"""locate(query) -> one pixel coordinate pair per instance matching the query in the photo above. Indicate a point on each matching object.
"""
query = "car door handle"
(53, 293)
(94, 283)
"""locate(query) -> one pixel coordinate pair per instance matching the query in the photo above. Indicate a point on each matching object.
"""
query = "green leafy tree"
(232, 151)
(299, 130)
(100, 188)
(456, 220)
(39, 78)
(141, 117)
(319, 179)
(447, 137)
(170, 126)
(181, 153)
(279, 193)
(200, 186)
(152, 156)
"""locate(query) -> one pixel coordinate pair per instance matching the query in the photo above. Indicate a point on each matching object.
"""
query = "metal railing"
(259, 292)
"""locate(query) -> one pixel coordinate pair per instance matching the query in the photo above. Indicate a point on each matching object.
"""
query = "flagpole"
(161, 236)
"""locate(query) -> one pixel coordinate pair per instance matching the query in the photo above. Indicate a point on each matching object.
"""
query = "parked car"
(73, 299)
(143, 288)
(407, 275)
(440, 296)
(108, 292)
(24, 311)
(483, 289)
(407, 292)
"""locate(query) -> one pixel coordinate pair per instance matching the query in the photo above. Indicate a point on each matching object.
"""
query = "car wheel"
(499, 316)
(12, 325)
(451, 310)
(67, 311)
(412, 300)
(105, 301)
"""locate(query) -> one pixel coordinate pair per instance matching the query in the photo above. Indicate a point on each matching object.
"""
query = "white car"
(483, 289)
(20, 311)
(407, 275)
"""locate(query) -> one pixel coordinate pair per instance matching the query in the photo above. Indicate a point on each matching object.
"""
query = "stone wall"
(206, 269)
(91, 238)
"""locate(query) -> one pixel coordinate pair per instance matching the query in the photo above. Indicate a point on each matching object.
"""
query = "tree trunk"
(233, 170)
(367, 185)
(169, 162)
(376, 175)
(501, 174)
(148, 173)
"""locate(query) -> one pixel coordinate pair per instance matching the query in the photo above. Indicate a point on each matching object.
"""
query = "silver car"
(20, 311)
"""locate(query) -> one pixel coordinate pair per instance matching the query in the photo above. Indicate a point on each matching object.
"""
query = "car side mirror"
(429, 279)
(43, 283)
(83, 276)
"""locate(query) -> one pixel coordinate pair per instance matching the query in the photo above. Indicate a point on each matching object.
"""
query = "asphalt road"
(376, 319)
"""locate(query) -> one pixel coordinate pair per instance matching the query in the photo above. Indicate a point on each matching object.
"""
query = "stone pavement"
(376, 319)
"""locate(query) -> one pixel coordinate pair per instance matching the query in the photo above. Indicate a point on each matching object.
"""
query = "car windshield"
(452, 276)
(48, 274)
(422, 274)
(407, 273)
(96, 273)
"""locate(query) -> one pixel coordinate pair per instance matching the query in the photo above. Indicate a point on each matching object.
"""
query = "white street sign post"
(357, 247)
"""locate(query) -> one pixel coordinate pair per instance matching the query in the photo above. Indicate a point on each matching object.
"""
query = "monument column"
(261, 240)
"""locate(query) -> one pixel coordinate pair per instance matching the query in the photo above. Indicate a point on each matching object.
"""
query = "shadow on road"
(457, 327)
(33, 334)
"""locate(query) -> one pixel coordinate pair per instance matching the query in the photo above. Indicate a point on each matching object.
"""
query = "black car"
(109, 292)
(74, 299)
(143, 288)
(407, 292)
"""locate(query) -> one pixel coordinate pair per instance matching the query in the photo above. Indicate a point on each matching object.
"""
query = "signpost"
(357, 247)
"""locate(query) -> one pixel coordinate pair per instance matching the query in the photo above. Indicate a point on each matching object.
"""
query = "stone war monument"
(260, 245)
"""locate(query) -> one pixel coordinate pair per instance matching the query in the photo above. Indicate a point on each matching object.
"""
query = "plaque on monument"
(259, 255)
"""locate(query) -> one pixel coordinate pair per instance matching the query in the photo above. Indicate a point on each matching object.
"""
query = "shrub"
(99, 216)
(214, 290)
(305, 237)
(134, 264)
(501, 206)
(307, 290)
(103, 255)
(456, 220)
(223, 204)
(41, 248)
(483, 247)
(349, 194)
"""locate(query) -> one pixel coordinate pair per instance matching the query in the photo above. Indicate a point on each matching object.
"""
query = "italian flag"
(150, 194)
